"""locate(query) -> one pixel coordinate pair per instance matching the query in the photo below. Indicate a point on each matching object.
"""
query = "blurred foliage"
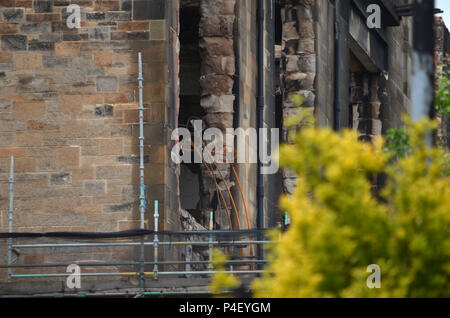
(222, 281)
(397, 143)
(340, 226)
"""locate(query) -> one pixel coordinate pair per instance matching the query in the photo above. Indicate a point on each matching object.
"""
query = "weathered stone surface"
(106, 84)
(58, 179)
(217, 26)
(32, 84)
(94, 187)
(218, 104)
(14, 42)
(12, 14)
(216, 84)
(217, 46)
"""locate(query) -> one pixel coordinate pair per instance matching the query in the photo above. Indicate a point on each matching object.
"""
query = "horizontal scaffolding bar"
(235, 262)
(139, 244)
(136, 274)
(133, 294)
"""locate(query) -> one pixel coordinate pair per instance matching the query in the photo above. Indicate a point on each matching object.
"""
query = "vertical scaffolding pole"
(155, 242)
(423, 60)
(211, 228)
(141, 167)
(10, 216)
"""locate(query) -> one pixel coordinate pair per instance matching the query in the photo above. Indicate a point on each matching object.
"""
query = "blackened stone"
(41, 46)
(149, 9)
(99, 34)
(42, 6)
(95, 15)
(104, 111)
(35, 27)
(132, 159)
(126, 5)
(55, 62)
(118, 16)
(138, 36)
(14, 42)
(2, 74)
(61, 178)
(118, 207)
(61, 3)
(75, 37)
(107, 23)
(12, 14)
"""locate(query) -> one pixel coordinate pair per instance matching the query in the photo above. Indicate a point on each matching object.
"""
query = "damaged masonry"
(90, 152)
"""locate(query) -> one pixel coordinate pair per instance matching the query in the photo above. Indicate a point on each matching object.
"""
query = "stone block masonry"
(69, 112)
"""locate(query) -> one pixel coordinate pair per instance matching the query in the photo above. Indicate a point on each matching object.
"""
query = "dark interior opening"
(190, 109)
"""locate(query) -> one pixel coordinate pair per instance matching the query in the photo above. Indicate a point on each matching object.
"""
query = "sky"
(445, 6)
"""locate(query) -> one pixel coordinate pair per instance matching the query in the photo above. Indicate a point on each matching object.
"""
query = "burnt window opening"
(365, 102)
(190, 109)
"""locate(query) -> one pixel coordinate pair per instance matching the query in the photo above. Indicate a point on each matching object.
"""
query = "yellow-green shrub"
(338, 227)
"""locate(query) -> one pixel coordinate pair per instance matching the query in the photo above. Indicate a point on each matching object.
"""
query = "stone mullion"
(298, 64)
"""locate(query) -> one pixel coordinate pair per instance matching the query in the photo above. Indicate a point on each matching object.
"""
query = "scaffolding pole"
(155, 242)
(10, 216)
(142, 204)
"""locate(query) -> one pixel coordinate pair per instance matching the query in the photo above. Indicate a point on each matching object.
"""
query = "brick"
(132, 159)
(111, 146)
(35, 27)
(99, 34)
(25, 165)
(126, 5)
(8, 152)
(24, 3)
(14, 42)
(12, 14)
(118, 16)
(133, 36)
(88, 209)
(113, 172)
(7, 3)
(69, 156)
(36, 125)
(104, 111)
(123, 207)
(67, 49)
(28, 110)
(8, 28)
(75, 37)
(157, 30)
(27, 60)
(133, 26)
(117, 36)
(107, 5)
(58, 179)
(42, 6)
(102, 58)
(6, 57)
(94, 188)
(149, 9)
(95, 16)
(27, 139)
(55, 62)
(41, 17)
(41, 46)
(106, 84)
(32, 84)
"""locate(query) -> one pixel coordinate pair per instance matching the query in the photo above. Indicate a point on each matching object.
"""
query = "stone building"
(69, 105)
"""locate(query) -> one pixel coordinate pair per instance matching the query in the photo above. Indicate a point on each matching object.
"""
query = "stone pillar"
(298, 63)
(216, 82)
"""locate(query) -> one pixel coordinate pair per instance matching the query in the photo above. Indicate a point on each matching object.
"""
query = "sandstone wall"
(69, 115)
